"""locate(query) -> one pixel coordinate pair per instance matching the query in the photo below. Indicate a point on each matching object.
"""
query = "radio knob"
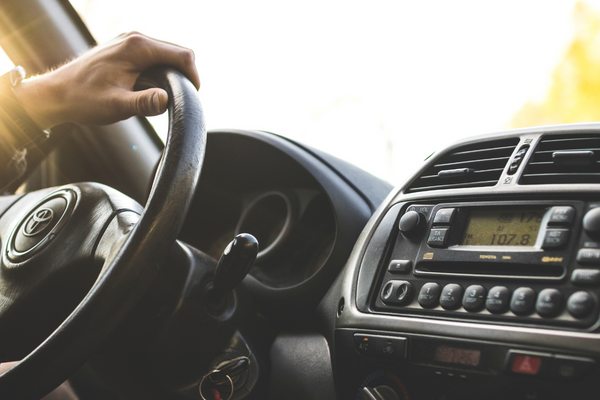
(591, 221)
(411, 223)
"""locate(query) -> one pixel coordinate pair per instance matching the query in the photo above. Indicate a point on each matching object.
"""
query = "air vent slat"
(504, 148)
(493, 171)
(551, 163)
(501, 160)
(456, 186)
(485, 162)
(570, 149)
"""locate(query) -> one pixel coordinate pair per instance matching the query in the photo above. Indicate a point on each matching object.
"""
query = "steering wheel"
(76, 259)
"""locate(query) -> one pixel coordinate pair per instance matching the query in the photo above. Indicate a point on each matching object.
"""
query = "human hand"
(97, 87)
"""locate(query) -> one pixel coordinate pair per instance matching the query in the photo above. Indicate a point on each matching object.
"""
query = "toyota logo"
(38, 221)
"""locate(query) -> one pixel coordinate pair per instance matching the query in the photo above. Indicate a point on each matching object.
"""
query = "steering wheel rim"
(125, 278)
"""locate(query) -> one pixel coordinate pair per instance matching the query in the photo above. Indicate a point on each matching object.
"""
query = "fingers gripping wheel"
(129, 270)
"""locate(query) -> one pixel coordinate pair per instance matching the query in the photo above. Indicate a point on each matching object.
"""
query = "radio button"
(591, 256)
(586, 276)
(561, 216)
(497, 300)
(387, 292)
(444, 216)
(555, 238)
(451, 296)
(549, 303)
(429, 295)
(523, 301)
(474, 298)
(400, 266)
(397, 293)
(404, 294)
(438, 237)
(580, 304)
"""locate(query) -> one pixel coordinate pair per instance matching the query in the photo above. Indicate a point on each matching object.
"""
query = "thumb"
(147, 102)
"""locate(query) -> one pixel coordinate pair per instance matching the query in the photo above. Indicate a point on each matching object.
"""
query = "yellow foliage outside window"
(574, 94)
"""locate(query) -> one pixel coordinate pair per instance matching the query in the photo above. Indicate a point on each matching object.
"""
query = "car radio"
(524, 262)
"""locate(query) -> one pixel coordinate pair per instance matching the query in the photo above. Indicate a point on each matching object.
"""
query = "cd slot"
(491, 270)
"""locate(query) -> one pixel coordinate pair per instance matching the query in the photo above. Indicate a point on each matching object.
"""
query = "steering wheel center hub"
(38, 222)
(40, 225)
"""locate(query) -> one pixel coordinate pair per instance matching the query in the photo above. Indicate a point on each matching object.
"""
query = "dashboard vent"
(475, 165)
(564, 159)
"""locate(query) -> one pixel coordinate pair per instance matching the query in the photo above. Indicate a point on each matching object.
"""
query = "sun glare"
(381, 84)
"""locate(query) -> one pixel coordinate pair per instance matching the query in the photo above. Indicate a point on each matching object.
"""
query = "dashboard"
(479, 277)
(476, 278)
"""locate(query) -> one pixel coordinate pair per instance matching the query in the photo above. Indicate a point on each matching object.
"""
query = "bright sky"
(380, 83)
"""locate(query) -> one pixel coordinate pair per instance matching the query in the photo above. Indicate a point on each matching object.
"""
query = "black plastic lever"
(235, 263)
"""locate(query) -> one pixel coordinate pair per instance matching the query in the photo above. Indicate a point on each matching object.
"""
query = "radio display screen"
(503, 227)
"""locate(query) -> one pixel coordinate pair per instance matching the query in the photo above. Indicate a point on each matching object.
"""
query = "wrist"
(41, 101)
(20, 128)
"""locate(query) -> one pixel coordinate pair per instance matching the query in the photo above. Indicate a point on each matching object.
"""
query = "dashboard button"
(523, 301)
(591, 256)
(438, 237)
(404, 294)
(451, 296)
(529, 365)
(586, 276)
(387, 291)
(566, 367)
(444, 216)
(429, 295)
(549, 303)
(364, 344)
(400, 266)
(525, 363)
(561, 216)
(390, 347)
(580, 304)
(497, 300)
(398, 293)
(474, 298)
(380, 346)
(555, 238)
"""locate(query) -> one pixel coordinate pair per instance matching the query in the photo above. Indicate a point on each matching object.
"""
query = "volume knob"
(591, 221)
(411, 222)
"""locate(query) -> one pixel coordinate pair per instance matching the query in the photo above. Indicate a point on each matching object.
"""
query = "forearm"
(18, 133)
(12, 159)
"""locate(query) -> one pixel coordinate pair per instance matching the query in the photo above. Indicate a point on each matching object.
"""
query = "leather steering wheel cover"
(122, 283)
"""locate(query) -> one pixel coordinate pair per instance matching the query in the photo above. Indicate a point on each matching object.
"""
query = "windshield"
(381, 84)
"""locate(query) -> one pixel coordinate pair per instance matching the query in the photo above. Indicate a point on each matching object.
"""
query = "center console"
(476, 293)
(520, 262)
